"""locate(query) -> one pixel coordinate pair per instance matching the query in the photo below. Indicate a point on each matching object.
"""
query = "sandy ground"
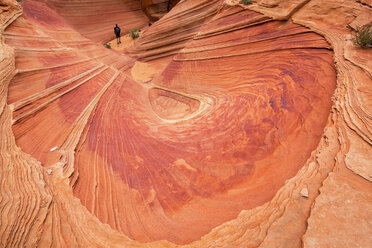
(126, 42)
(141, 71)
(144, 72)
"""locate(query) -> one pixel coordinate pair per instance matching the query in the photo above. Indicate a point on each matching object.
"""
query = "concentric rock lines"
(248, 126)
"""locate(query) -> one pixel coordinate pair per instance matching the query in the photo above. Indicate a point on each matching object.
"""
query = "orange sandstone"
(247, 126)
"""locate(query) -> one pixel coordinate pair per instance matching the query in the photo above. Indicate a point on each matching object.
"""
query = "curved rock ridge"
(170, 34)
(239, 136)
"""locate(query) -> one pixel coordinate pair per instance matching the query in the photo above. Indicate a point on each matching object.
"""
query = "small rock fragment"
(54, 148)
(304, 192)
(49, 171)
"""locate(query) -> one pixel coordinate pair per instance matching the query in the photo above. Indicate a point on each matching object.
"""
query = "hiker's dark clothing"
(117, 32)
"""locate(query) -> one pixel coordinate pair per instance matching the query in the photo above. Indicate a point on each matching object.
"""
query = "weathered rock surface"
(156, 9)
(248, 126)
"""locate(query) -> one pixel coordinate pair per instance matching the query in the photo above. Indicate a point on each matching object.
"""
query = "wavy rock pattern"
(242, 137)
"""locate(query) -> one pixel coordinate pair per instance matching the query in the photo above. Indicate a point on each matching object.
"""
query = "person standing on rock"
(117, 33)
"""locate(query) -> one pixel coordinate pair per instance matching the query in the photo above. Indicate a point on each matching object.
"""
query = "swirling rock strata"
(232, 143)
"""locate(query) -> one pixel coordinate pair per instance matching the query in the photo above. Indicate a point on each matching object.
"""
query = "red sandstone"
(238, 134)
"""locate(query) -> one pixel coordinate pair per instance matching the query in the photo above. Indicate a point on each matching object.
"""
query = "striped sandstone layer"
(243, 137)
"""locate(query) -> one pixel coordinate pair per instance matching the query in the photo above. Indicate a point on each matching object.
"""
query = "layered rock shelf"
(222, 125)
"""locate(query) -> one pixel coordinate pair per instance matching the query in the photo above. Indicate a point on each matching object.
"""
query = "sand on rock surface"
(222, 125)
(126, 42)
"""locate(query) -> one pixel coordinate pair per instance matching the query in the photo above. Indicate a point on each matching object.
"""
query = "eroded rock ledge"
(242, 137)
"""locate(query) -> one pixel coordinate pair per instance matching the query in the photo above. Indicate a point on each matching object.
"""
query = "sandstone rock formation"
(223, 125)
(156, 9)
